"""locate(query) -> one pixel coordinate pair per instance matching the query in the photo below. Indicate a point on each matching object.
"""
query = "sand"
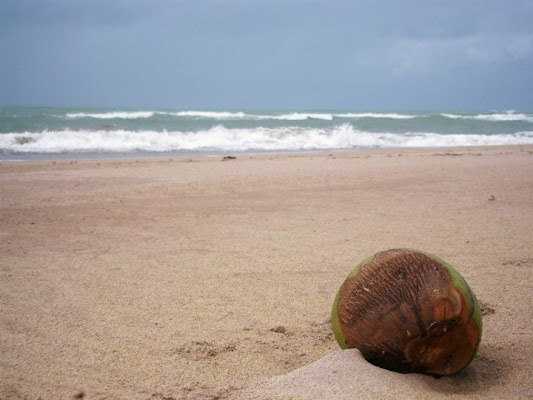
(201, 278)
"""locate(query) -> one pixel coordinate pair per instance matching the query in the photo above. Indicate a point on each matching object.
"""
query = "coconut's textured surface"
(408, 311)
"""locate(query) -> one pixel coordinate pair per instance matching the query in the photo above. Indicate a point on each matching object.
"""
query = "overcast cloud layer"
(401, 55)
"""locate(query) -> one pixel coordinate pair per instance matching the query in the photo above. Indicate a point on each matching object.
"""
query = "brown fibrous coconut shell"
(404, 313)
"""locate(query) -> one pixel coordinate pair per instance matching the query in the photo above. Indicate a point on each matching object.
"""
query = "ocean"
(74, 133)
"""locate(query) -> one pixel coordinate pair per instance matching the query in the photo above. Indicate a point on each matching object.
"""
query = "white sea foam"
(208, 114)
(296, 116)
(493, 117)
(113, 115)
(224, 115)
(220, 138)
(376, 115)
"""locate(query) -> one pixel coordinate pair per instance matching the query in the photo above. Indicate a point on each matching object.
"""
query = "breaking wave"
(228, 115)
(493, 117)
(207, 114)
(376, 115)
(296, 116)
(113, 115)
(220, 138)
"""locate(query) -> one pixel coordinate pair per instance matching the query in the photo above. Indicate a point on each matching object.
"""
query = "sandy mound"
(345, 374)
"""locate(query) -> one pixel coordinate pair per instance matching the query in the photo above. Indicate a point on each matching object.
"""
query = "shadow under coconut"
(489, 368)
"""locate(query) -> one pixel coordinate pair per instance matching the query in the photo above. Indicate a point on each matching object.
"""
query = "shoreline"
(194, 277)
(125, 156)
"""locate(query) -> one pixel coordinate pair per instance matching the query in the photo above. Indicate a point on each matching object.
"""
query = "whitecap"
(376, 115)
(113, 115)
(493, 117)
(296, 116)
(209, 114)
(220, 138)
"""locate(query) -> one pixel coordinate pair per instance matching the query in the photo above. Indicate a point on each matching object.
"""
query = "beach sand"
(201, 278)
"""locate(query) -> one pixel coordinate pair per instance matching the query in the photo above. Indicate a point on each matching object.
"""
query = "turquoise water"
(27, 133)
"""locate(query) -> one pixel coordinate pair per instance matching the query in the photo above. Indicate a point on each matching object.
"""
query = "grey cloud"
(237, 53)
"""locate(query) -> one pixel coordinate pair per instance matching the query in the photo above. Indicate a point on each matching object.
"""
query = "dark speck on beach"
(279, 329)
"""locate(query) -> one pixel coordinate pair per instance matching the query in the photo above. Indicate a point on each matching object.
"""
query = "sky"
(451, 55)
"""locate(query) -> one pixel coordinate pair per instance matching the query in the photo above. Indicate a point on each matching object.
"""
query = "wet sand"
(203, 278)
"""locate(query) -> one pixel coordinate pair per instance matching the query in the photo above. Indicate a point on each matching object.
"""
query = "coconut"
(408, 311)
